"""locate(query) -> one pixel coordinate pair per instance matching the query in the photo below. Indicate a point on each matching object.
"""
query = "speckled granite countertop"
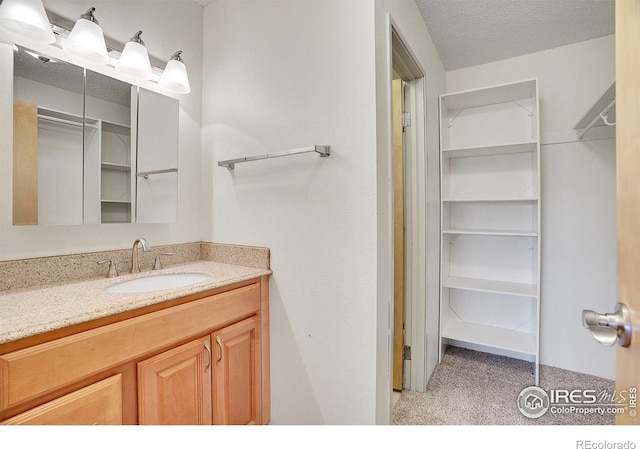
(28, 312)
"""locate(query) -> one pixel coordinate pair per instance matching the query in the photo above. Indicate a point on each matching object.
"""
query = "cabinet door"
(175, 387)
(99, 403)
(237, 375)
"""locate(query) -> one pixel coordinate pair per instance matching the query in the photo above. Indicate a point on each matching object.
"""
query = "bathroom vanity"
(192, 355)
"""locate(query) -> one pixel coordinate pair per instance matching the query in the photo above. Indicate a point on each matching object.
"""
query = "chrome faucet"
(135, 268)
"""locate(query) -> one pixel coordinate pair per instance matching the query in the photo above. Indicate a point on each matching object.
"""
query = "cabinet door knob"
(207, 346)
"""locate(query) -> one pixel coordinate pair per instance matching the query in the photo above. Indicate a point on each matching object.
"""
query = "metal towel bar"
(322, 150)
(145, 174)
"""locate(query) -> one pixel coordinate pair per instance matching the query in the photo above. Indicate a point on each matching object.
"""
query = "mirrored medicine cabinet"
(89, 148)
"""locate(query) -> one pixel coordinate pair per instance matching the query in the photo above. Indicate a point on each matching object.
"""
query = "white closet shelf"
(115, 167)
(60, 115)
(508, 233)
(490, 286)
(490, 224)
(507, 339)
(492, 95)
(116, 201)
(489, 200)
(116, 128)
(490, 150)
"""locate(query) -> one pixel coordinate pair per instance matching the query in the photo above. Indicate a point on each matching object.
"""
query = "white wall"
(578, 196)
(174, 26)
(286, 74)
(283, 75)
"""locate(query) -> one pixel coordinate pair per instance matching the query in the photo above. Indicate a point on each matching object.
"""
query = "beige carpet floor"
(476, 388)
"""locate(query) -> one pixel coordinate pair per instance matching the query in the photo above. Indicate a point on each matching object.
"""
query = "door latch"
(607, 328)
(406, 119)
(406, 352)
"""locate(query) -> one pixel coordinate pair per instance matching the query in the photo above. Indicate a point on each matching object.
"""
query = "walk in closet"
(490, 229)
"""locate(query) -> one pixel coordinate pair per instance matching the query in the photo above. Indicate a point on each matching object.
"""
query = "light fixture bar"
(63, 26)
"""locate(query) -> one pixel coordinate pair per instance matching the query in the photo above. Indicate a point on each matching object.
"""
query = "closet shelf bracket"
(604, 116)
(322, 150)
(602, 112)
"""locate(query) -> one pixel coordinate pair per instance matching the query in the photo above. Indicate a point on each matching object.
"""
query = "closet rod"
(602, 116)
(60, 120)
(322, 150)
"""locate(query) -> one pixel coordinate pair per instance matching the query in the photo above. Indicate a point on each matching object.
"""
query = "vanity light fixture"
(26, 18)
(134, 60)
(86, 39)
(174, 77)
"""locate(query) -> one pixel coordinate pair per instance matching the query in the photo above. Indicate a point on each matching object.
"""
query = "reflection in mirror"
(89, 148)
(48, 155)
(109, 150)
(157, 158)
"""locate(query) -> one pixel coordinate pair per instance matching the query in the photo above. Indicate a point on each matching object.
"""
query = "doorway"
(412, 361)
(400, 120)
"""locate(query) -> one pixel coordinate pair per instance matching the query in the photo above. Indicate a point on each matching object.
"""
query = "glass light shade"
(87, 42)
(134, 61)
(26, 18)
(174, 77)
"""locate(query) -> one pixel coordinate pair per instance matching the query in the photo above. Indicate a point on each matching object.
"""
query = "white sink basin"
(157, 282)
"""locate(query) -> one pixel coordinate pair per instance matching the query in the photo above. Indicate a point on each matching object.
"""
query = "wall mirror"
(89, 148)
(48, 147)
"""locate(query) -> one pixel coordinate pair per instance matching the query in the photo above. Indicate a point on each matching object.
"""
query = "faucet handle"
(113, 272)
(158, 265)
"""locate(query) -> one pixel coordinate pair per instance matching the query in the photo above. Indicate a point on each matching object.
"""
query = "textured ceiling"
(472, 32)
(70, 77)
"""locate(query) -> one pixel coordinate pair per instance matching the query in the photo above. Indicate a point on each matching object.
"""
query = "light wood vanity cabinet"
(223, 376)
(237, 381)
(98, 403)
(175, 387)
(201, 359)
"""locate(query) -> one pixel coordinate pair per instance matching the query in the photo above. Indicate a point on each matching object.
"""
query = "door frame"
(404, 63)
